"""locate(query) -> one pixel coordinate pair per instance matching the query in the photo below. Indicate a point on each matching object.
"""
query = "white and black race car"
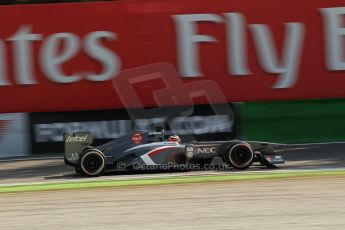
(151, 150)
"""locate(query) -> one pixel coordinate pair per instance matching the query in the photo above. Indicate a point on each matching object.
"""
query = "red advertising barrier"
(64, 57)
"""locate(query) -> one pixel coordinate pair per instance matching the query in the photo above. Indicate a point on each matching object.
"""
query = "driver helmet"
(174, 138)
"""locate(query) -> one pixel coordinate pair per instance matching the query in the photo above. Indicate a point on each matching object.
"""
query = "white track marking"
(31, 159)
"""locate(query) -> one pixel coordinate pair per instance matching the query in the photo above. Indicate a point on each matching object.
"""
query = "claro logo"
(76, 138)
(55, 50)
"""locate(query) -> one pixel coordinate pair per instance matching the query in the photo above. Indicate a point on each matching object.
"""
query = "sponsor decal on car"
(278, 158)
(76, 138)
(206, 150)
(189, 149)
(275, 159)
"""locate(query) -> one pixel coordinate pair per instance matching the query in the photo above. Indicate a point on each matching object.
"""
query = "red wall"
(145, 33)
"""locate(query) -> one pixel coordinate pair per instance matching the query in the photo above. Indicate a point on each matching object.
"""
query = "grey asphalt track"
(308, 204)
(297, 157)
(313, 203)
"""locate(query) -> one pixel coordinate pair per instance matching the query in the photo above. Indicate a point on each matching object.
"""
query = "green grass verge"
(111, 183)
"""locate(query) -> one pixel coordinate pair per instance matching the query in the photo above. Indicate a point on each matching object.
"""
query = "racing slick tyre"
(92, 163)
(240, 156)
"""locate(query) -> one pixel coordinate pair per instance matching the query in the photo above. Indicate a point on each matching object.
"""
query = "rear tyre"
(92, 163)
(240, 156)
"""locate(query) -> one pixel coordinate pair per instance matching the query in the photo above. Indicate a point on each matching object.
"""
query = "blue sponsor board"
(201, 122)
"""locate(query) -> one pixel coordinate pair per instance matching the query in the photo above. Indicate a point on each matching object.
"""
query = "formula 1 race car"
(151, 150)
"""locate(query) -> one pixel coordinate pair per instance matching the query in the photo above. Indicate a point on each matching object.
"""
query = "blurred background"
(63, 68)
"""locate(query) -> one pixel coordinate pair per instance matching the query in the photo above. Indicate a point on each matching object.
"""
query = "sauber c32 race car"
(149, 150)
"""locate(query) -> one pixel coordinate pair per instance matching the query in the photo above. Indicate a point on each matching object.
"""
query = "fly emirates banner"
(65, 57)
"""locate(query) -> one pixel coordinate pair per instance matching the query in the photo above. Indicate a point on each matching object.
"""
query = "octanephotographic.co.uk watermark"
(172, 166)
(135, 84)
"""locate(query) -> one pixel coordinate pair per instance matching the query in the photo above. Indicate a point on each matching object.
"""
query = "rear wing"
(75, 143)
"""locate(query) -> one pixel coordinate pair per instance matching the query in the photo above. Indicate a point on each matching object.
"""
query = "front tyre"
(240, 156)
(92, 163)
